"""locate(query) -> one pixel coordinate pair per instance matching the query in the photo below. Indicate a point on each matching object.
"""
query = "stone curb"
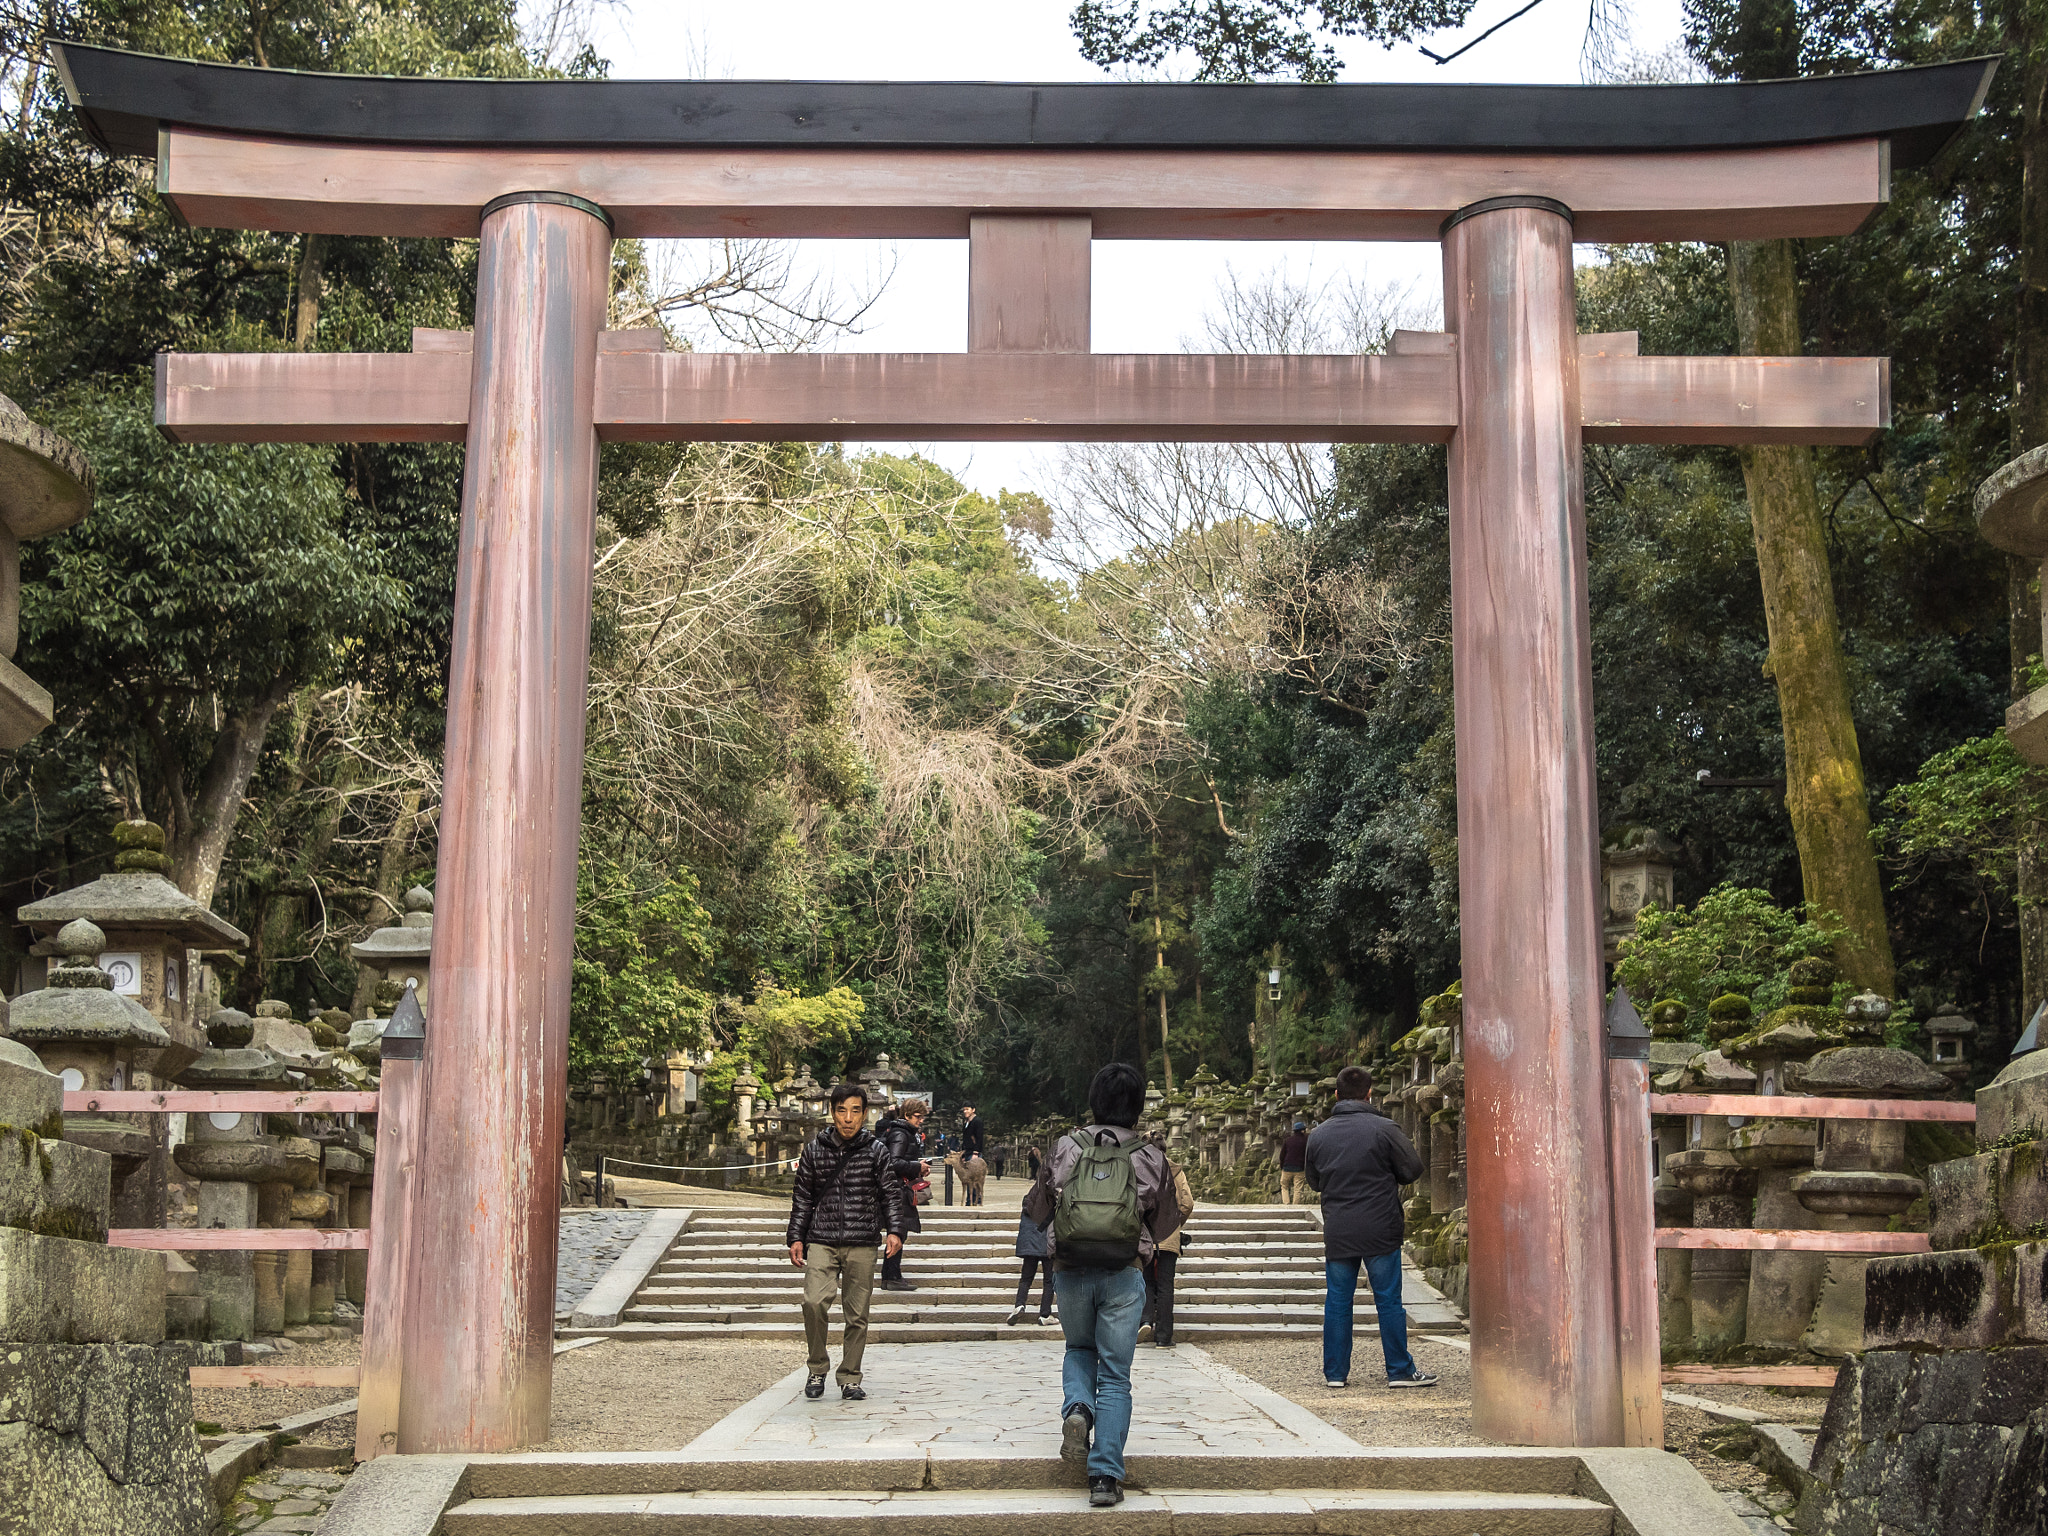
(1655, 1493)
(227, 1464)
(616, 1287)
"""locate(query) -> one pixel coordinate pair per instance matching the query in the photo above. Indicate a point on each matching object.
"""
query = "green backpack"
(1095, 1224)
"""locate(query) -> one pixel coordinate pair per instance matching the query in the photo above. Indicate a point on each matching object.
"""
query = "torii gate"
(1563, 1315)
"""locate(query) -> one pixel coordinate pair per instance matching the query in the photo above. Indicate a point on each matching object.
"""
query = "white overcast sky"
(1149, 296)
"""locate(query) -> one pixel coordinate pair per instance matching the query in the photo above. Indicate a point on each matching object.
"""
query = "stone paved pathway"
(1004, 1399)
(282, 1500)
(591, 1241)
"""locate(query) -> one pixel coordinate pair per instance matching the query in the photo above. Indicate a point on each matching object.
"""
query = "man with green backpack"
(1109, 1199)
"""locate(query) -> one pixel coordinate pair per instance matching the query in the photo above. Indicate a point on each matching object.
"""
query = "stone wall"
(1941, 1425)
(96, 1433)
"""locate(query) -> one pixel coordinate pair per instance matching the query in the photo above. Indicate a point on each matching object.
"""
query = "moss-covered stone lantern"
(150, 928)
(93, 1038)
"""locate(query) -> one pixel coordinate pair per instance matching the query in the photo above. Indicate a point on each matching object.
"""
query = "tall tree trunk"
(201, 840)
(312, 273)
(2030, 429)
(1823, 765)
(1159, 961)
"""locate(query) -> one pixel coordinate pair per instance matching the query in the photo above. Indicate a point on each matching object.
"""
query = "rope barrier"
(612, 1162)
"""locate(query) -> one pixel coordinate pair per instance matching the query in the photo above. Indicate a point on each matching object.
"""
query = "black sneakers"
(853, 1395)
(815, 1387)
(1103, 1492)
(897, 1285)
(1074, 1434)
(1419, 1379)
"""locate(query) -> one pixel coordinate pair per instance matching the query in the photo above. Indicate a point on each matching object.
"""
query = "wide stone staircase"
(1245, 1272)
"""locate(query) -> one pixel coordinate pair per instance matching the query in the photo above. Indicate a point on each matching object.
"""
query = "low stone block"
(2015, 1101)
(56, 1290)
(247, 1162)
(31, 1097)
(1968, 1298)
(54, 1188)
(1995, 1196)
(96, 1440)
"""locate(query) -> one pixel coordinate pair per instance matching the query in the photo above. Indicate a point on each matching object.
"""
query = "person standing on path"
(1158, 1324)
(973, 1147)
(1293, 1159)
(1032, 1160)
(846, 1193)
(1109, 1200)
(1358, 1159)
(902, 1137)
(1034, 1249)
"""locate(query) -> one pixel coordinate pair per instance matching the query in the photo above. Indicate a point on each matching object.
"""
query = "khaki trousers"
(848, 1273)
(1290, 1186)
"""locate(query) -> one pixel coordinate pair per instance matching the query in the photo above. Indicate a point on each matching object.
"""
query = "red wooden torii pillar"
(1562, 1282)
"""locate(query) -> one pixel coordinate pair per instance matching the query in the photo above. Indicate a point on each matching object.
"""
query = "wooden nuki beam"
(231, 181)
(215, 1377)
(647, 395)
(1750, 1375)
(1763, 1106)
(240, 1239)
(1782, 1240)
(245, 1102)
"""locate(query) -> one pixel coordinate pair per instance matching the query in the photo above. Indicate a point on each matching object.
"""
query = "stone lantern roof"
(136, 895)
(410, 938)
(79, 1006)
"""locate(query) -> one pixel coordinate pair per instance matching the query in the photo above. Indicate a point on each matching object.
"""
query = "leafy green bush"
(1733, 940)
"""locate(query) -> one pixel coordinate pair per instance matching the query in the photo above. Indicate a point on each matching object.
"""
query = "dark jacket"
(1358, 1160)
(974, 1138)
(1294, 1153)
(846, 1193)
(1034, 1239)
(905, 1146)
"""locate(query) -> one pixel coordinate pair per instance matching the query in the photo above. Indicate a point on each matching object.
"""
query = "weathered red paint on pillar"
(480, 1307)
(1638, 1340)
(1544, 1349)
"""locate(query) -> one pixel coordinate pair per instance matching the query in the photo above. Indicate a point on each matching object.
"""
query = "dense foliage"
(1004, 786)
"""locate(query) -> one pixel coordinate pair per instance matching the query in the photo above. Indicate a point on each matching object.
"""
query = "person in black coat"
(1358, 1159)
(846, 1195)
(973, 1144)
(902, 1137)
(1034, 1250)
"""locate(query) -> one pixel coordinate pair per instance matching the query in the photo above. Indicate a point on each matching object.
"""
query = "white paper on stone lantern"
(126, 971)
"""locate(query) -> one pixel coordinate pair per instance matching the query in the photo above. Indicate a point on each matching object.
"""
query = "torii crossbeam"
(1564, 1345)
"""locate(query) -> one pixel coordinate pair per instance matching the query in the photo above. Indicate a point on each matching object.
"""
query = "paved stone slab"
(1003, 1398)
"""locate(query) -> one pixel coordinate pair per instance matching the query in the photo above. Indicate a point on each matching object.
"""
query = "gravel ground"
(240, 1409)
(1368, 1410)
(659, 1397)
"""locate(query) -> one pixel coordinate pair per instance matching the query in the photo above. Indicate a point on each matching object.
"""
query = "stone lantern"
(232, 1158)
(93, 1037)
(1859, 1179)
(45, 485)
(150, 928)
(880, 1080)
(1721, 1190)
(1784, 1287)
(1636, 866)
(402, 952)
(1948, 1035)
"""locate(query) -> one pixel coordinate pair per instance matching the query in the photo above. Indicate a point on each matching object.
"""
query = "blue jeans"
(1340, 1276)
(1099, 1313)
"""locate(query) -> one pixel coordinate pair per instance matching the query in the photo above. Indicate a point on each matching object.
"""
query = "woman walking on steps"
(1033, 1249)
(902, 1136)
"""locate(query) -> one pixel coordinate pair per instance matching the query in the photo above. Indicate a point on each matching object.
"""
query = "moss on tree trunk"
(1823, 765)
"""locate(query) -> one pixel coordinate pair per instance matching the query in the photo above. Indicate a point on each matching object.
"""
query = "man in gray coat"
(1358, 1159)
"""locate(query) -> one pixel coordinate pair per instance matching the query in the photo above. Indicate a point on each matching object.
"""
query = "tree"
(207, 586)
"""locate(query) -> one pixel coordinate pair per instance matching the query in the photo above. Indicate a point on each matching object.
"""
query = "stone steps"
(991, 1330)
(1043, 1512)
(1249, 1272)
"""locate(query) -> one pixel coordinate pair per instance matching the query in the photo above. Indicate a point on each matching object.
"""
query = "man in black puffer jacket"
(847, 1192)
